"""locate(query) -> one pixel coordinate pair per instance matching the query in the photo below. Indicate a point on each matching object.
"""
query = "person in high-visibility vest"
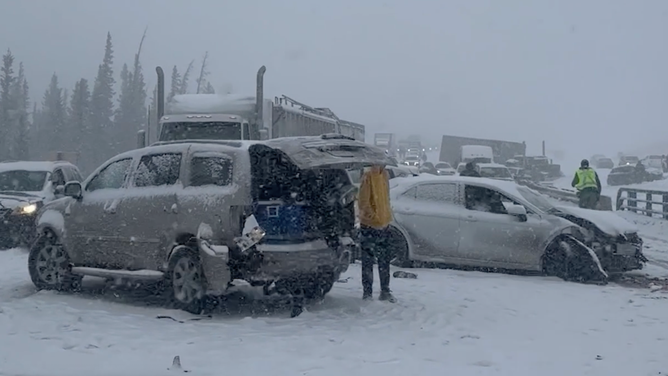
(587, 183)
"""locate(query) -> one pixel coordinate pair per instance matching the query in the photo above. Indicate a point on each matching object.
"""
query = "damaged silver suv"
(175, 212)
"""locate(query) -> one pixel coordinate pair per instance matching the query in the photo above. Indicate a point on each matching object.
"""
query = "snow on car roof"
(491, 165)
(403, 184)
(31, 165)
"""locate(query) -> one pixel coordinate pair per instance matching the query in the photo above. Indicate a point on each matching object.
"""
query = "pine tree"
(203, 73)
(175, 87)
(79, 126)
(6, 104)
(130, 116)
(208, 89)
(185, 80)
(102, 106)
(21, 98)
(53, 107)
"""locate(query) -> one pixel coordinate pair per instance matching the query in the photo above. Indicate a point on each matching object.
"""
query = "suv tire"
(185, 281)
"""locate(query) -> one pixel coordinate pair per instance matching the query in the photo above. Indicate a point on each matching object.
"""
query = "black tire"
(49, 265)
(185, 282)
(565, 259)
(398, 248)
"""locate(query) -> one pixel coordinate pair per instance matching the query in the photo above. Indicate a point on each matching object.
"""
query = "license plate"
(626, 249)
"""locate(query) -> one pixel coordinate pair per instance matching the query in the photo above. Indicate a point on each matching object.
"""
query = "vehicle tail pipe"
(259, 98)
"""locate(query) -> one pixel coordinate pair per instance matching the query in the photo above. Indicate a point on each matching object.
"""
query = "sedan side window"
(438, 192)
(111, 177)
(210, 171)
(485, 199)
(158, 170)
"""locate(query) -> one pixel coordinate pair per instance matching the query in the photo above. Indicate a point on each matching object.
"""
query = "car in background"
(461, 167)
(25, 186)
(604, 163)
(444, 169)
(625, 160)
(485, 223)
(494, 171)
(412, 160)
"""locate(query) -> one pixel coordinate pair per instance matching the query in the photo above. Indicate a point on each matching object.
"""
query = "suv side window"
(437, 192)
(210, 171)
(111, 177)
(157, 170)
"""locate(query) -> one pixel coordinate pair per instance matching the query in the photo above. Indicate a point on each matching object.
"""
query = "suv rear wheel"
(185, 280)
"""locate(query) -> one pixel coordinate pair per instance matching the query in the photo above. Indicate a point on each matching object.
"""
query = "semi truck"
(502, 150)
(235, 117)
(387, 141)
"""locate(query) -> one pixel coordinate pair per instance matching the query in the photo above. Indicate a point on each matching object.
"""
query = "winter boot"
(387, 296)
(367, 295)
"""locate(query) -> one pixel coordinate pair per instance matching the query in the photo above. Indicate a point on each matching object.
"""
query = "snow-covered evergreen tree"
(54, 113)
(79, 123)
(7, 106)
(102, 106)
(175, 87)
(21, 135)
(130, 116)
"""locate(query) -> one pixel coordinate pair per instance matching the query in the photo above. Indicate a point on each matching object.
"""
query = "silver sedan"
(478, 222)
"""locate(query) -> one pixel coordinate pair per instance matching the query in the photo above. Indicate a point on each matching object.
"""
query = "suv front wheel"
(185, 280)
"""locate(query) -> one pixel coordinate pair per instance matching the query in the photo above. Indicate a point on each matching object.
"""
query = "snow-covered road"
(446, 322)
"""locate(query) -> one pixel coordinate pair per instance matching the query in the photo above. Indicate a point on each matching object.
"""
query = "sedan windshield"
(536, 199)
(22, 180)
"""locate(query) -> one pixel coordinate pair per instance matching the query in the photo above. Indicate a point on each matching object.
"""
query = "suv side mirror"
(73, 189)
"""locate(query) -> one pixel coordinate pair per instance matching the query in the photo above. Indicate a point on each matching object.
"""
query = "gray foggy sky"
(573, 72)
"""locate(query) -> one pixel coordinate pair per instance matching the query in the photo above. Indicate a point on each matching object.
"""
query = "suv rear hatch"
(301, 189)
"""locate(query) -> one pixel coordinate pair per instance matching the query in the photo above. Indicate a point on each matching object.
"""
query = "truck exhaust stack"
(160, 111)
(259, 99)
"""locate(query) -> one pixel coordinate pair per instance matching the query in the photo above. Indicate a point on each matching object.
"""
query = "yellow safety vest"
(586, 179)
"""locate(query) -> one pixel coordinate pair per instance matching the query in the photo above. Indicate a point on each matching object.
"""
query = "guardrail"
(604, 202)
(630, 201)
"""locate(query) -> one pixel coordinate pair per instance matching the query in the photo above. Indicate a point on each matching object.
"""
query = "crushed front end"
(619, 254)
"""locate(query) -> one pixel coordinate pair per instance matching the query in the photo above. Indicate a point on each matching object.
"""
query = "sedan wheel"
(186, 280)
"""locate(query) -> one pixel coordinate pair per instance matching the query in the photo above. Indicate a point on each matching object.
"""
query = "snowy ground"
(446, 322)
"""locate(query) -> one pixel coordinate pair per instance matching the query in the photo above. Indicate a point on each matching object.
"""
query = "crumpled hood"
(606, 221)
(9, 201)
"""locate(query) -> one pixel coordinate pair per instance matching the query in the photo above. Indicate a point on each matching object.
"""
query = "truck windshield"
(200, 131)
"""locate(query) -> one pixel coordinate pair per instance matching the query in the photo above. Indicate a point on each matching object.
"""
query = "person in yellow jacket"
(587, 183)
(375, 217)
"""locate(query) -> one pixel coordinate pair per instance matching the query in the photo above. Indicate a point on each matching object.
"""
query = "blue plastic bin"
(280, 220)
